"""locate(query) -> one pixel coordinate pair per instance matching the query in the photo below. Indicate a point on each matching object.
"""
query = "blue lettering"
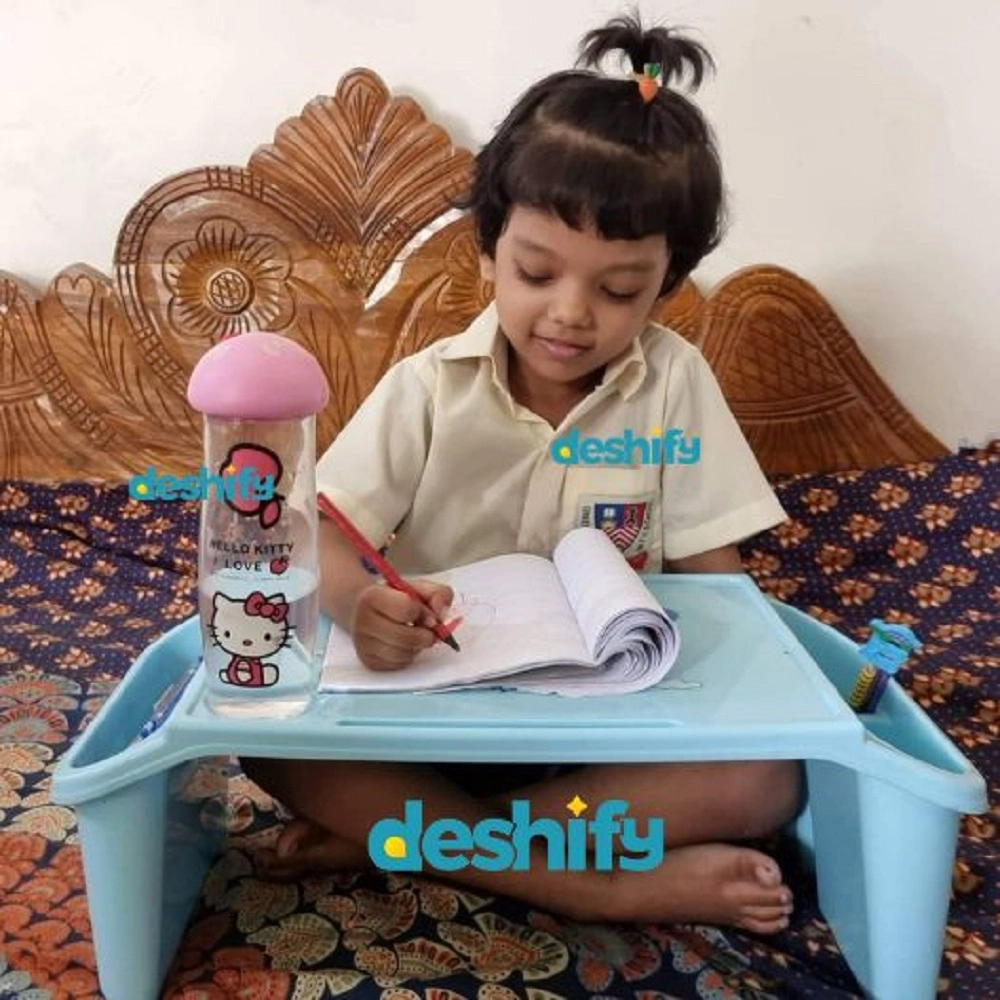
(218, 482)
(576, 844)
(670, 440)
(264, 488)
(143, 486)
(614, 451)
(631, 443)
(246, 478)
(493, 837)
(650, 846)
(564, 449)
(150, 485)
(167, 488)
(525, 828)
(191, 488)
(494, 844)
(603, 828)
(690, 453)
(436, 841)
(591, 450)
(404, 834)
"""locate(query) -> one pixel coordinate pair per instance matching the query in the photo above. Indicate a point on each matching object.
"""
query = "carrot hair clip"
(648, 81)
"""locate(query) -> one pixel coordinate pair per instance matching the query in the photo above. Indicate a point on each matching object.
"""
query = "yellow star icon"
(576, 805)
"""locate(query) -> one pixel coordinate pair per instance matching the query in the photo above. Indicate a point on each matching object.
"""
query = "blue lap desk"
(754, 680)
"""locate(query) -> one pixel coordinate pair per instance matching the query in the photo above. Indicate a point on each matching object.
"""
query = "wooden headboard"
(93, 370)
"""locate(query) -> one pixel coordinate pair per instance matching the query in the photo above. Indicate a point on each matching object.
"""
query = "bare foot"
(303, 848)
(705, 883)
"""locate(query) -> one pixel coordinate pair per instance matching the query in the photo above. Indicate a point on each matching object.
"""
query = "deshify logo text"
(243, 485)
(659, 447)
(496, 844)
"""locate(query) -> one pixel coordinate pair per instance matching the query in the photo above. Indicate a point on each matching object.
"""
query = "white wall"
(859, 136)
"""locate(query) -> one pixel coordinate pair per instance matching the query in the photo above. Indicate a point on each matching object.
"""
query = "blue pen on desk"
(167, 702)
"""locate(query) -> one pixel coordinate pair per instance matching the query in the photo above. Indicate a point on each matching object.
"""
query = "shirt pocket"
(625, 504)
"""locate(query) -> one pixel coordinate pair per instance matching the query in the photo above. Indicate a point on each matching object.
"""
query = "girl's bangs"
(621, 195)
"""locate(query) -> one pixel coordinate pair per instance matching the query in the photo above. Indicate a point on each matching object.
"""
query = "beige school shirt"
(440, 454)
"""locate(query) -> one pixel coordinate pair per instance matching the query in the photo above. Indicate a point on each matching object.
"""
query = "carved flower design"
(465, 292)
(227, 281)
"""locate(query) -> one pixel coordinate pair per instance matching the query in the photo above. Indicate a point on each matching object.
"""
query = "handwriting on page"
(475, 610)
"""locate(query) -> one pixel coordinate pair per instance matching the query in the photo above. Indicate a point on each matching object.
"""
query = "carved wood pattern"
(93, 370)
(800, 388)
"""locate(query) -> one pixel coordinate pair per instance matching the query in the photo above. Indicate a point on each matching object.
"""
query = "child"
(596, 197)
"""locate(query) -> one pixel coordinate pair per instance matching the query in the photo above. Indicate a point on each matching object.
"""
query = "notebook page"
(624, 627)
(599, 584)
(516, 616)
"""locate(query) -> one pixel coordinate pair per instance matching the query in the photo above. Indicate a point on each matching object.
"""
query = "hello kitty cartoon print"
(249, 631)
(265, 464)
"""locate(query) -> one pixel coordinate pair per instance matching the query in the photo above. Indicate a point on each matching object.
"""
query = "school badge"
(626, 523)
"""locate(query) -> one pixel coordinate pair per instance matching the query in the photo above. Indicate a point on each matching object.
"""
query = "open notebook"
(581, 624)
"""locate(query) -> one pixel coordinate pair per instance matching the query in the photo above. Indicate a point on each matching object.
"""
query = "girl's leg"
(704, 806)
(714, 882)
(699, 802)
(346, 798)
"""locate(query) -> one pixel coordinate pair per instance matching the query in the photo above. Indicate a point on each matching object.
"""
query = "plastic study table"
(754, 680)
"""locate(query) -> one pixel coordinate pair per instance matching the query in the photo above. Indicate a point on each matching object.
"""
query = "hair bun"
(676, 56)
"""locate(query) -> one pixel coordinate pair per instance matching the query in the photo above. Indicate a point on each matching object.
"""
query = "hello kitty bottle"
(257, 561)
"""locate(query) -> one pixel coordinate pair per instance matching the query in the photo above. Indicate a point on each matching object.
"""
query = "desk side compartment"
(149, 828)
(885, 825)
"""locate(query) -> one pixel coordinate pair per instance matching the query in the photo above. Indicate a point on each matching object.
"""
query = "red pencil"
(386, 570)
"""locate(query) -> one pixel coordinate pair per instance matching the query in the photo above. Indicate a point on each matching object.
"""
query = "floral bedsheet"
(89, 577)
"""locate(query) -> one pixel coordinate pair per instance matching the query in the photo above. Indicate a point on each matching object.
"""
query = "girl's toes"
(768, 873)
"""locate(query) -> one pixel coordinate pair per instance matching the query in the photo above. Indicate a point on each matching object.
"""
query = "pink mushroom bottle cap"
(258, 376)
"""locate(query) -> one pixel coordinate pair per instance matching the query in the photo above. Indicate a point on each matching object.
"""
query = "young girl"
(596, 197)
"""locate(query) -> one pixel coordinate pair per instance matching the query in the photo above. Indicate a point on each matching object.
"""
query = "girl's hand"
(390, 628)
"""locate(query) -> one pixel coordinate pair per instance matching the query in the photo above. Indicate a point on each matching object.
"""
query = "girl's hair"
(588, 148)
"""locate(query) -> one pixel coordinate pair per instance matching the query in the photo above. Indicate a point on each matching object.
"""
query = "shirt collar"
(483, 339)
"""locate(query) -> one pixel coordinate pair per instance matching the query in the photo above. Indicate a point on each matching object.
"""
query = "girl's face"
(569, 301)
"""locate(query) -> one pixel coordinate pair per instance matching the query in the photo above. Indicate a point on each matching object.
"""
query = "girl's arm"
(723, 560)
(342, 576)
(382, 622)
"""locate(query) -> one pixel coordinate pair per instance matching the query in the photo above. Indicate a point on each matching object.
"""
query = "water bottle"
(258, 572)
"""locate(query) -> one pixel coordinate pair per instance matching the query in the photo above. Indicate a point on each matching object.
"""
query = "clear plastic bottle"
(258, 575)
